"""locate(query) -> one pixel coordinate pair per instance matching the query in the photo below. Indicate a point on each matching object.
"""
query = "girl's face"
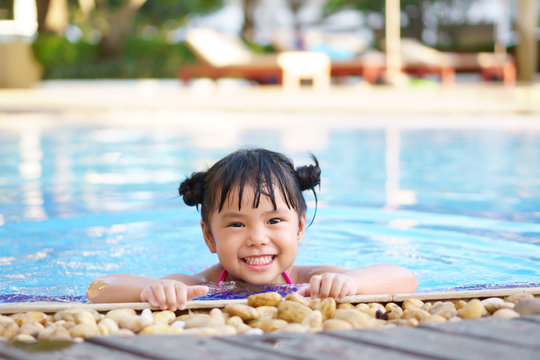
(255, 244)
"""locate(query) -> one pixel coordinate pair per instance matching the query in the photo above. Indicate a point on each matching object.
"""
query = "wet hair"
(263, 170)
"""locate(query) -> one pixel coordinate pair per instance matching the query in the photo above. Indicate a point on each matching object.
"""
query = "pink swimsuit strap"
(224, 275)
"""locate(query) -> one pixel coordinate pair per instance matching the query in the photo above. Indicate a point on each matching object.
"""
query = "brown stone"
(265, 299)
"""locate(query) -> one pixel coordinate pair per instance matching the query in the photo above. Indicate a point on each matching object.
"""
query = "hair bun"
(309, 176)
(192, 189)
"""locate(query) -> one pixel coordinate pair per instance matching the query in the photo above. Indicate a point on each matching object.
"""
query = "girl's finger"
(315, 285)
(336, 286)
(170, 295)
(181, 295)
(147, 295)
(348, 289)
(326, 285)
(304, 290)
(159, 294)
(196, 291)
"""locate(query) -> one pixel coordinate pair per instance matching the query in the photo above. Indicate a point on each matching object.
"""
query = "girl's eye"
(274, 221)
(236, 224)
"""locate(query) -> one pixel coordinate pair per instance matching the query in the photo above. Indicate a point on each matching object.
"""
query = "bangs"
(267, 173)
(264, 178)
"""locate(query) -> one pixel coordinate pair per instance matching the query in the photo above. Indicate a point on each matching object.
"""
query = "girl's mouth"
(261, 260)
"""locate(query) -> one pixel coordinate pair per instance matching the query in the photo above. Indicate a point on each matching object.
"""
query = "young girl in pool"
(254, 217)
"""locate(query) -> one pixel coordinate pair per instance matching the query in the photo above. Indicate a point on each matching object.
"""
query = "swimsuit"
(224, 275)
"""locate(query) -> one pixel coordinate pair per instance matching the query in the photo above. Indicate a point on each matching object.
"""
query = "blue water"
(461, 208)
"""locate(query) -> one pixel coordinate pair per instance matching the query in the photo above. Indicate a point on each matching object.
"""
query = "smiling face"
(254, 244)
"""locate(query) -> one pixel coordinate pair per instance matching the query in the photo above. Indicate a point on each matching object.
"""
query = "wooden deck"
(487, 338)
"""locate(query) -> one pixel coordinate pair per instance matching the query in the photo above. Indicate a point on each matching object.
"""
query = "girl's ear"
(301, 228)
(208, 237)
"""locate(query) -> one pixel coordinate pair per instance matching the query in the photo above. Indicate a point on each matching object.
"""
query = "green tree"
(117, 17)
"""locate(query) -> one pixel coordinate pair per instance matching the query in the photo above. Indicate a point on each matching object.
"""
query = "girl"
(253, 216)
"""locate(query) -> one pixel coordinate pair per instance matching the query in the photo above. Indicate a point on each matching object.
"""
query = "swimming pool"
(458, 206)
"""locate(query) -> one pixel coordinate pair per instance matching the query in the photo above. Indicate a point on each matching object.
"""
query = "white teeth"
(258, 260)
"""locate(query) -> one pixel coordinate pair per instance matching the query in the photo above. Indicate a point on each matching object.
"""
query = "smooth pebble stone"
(434, 319)
(246, 312)
(84, 330)
(336, 324)
(505, 314)
(327, 308)
(268, 325)
(253, 331)
(459, 304)
(357, 319)
(445, 309)
(292, 311)
(515, 298)
(161, 329)
(165, 316)
(391, 306)
(295, 328)
(27, 338)
(297, 298)
(528, 307)
(412, 302)
(201, 320)
(134, 323)
(32, 316)
(416, 313)
(473, 310)
(84, 317)
(147, 314)
(107, 326)
(492, 304)
(313, 320)
(124, 332)
(265, 299)
(117, 314)
(395, 313)
(217, 315)
(179, 324)
(269, 312)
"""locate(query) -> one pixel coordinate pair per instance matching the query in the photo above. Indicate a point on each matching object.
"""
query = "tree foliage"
(332, 6)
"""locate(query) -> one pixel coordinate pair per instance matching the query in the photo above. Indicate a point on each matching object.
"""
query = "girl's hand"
(171, 294)
(333, 285)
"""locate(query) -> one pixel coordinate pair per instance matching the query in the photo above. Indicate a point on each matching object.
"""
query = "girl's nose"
(257, 236)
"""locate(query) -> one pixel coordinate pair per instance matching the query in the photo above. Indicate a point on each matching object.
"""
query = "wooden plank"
(168, 347)
(51, 307)
(425, 342)
(531, 318)
(60, 349)
(313, 346)
(520, 333)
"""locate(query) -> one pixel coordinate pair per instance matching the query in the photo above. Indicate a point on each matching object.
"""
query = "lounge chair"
(227, 56)
(420, 59)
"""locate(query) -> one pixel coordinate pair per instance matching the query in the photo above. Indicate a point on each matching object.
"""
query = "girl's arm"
(333, 281)
(383, 279)
(170, 292)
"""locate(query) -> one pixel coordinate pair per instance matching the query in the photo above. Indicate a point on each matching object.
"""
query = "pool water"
(459, 207)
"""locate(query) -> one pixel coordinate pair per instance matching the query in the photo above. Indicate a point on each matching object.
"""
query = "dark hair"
(261, 169)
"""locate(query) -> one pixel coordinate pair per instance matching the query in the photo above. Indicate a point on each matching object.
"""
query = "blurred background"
(88, 39)
(426, 127)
